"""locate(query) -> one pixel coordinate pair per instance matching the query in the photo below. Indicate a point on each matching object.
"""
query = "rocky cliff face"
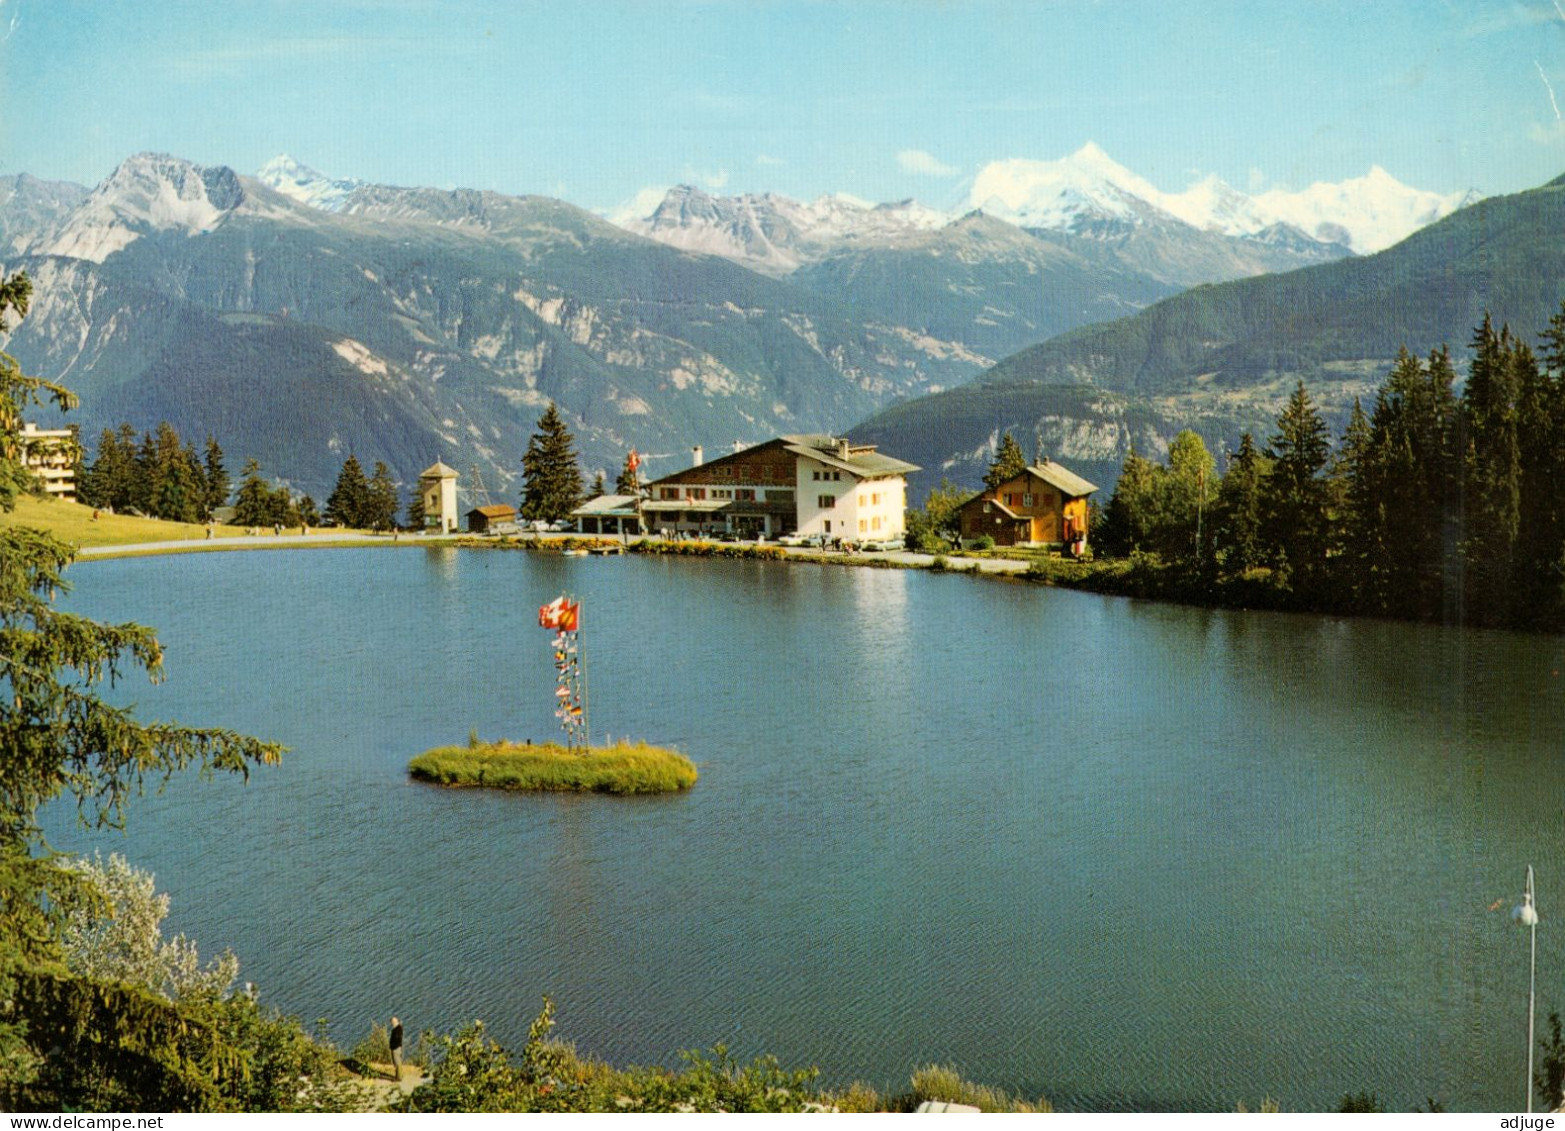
(410, 324)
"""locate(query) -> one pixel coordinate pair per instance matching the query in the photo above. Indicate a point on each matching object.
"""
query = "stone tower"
(437, 486)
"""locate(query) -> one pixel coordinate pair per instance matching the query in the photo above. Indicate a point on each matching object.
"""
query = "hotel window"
(826, 502)
(747, 494)
(695, 492)
(815, 475)
(668, 492)
(861, 500)
(1026, 500)
(986, 508)
(1007, 498)
(875, 523)
(874, 499)
(862, 527)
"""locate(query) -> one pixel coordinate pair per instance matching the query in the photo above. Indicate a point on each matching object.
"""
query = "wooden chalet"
(1046, 505)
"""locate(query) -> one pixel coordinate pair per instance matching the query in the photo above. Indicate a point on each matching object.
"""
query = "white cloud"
(766, 159)
(1546, 133)
(638, 207)
(712, 179)
(925, 164)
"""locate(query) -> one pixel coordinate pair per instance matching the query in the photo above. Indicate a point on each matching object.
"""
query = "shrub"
(983, 543)
(944, 1084)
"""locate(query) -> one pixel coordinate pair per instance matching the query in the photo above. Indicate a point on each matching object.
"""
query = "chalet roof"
(495, 510)
(611, 505)
(861, 460)
(686, 504)
(438, 470)
(1061, 478)
(989, 502)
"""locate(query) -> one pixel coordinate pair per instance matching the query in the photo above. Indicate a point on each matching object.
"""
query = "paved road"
(264, 541)
(344, 538)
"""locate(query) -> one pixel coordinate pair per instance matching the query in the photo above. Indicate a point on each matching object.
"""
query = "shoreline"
(324, 540)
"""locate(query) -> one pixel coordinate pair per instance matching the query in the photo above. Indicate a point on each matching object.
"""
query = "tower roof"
(438, 470)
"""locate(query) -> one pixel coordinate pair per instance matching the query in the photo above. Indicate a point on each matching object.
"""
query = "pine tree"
(599, 486)
(381, 500)
(1352, 510)
(1009, 462)
(103, 482)
(145, 475)
(216, 475)
(551, 477)
(348, 503)
(1408, 489)
(178, 490)
(1492, 474)
(415, 511)
(1296, 498)
(58, 737)
(253, 504)
(128, 486)
(1240, 498)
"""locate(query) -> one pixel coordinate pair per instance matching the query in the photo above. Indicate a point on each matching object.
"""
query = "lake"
(1120, 854)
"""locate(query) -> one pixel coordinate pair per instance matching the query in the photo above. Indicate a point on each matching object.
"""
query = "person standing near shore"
(395, 1040)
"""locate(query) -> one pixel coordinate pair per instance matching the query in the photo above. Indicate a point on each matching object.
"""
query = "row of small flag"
(564, 617)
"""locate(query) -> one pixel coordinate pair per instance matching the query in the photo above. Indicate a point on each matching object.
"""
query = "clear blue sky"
(593, 101)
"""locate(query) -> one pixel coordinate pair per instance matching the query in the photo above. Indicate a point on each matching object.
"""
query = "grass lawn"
(622, 768)
(73, 522)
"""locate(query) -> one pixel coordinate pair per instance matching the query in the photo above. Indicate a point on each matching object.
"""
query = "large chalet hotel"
(809, 485)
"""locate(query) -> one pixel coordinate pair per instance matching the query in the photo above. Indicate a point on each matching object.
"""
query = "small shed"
(495, 519)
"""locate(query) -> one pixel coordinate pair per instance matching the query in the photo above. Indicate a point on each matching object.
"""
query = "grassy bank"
(73, 522)
(622, 768)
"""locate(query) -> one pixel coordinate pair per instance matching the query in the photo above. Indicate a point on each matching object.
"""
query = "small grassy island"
(621, 768)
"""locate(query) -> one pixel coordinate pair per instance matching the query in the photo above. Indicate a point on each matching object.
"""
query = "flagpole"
(581, 658)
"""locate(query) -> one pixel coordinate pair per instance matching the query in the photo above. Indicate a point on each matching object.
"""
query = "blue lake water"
(1115, 853)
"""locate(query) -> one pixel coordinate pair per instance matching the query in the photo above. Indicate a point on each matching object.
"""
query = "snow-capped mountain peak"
(1366, 213)
(306, 185)
(769, 232)
(1060, 194)
(150, 192)
(1375, 210)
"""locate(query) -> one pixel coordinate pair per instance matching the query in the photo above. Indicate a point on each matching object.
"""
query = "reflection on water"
(1113, 852)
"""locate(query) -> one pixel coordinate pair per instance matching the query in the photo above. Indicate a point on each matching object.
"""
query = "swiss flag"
(549, 615)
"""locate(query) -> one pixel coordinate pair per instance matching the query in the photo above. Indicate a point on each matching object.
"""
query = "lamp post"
(1527, 916)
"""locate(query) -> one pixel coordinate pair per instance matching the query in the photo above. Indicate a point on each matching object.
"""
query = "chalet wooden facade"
(1046, 505)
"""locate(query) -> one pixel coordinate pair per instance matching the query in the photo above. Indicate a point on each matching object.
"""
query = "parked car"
(538, 526)
(562, 525)
(876, 545)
